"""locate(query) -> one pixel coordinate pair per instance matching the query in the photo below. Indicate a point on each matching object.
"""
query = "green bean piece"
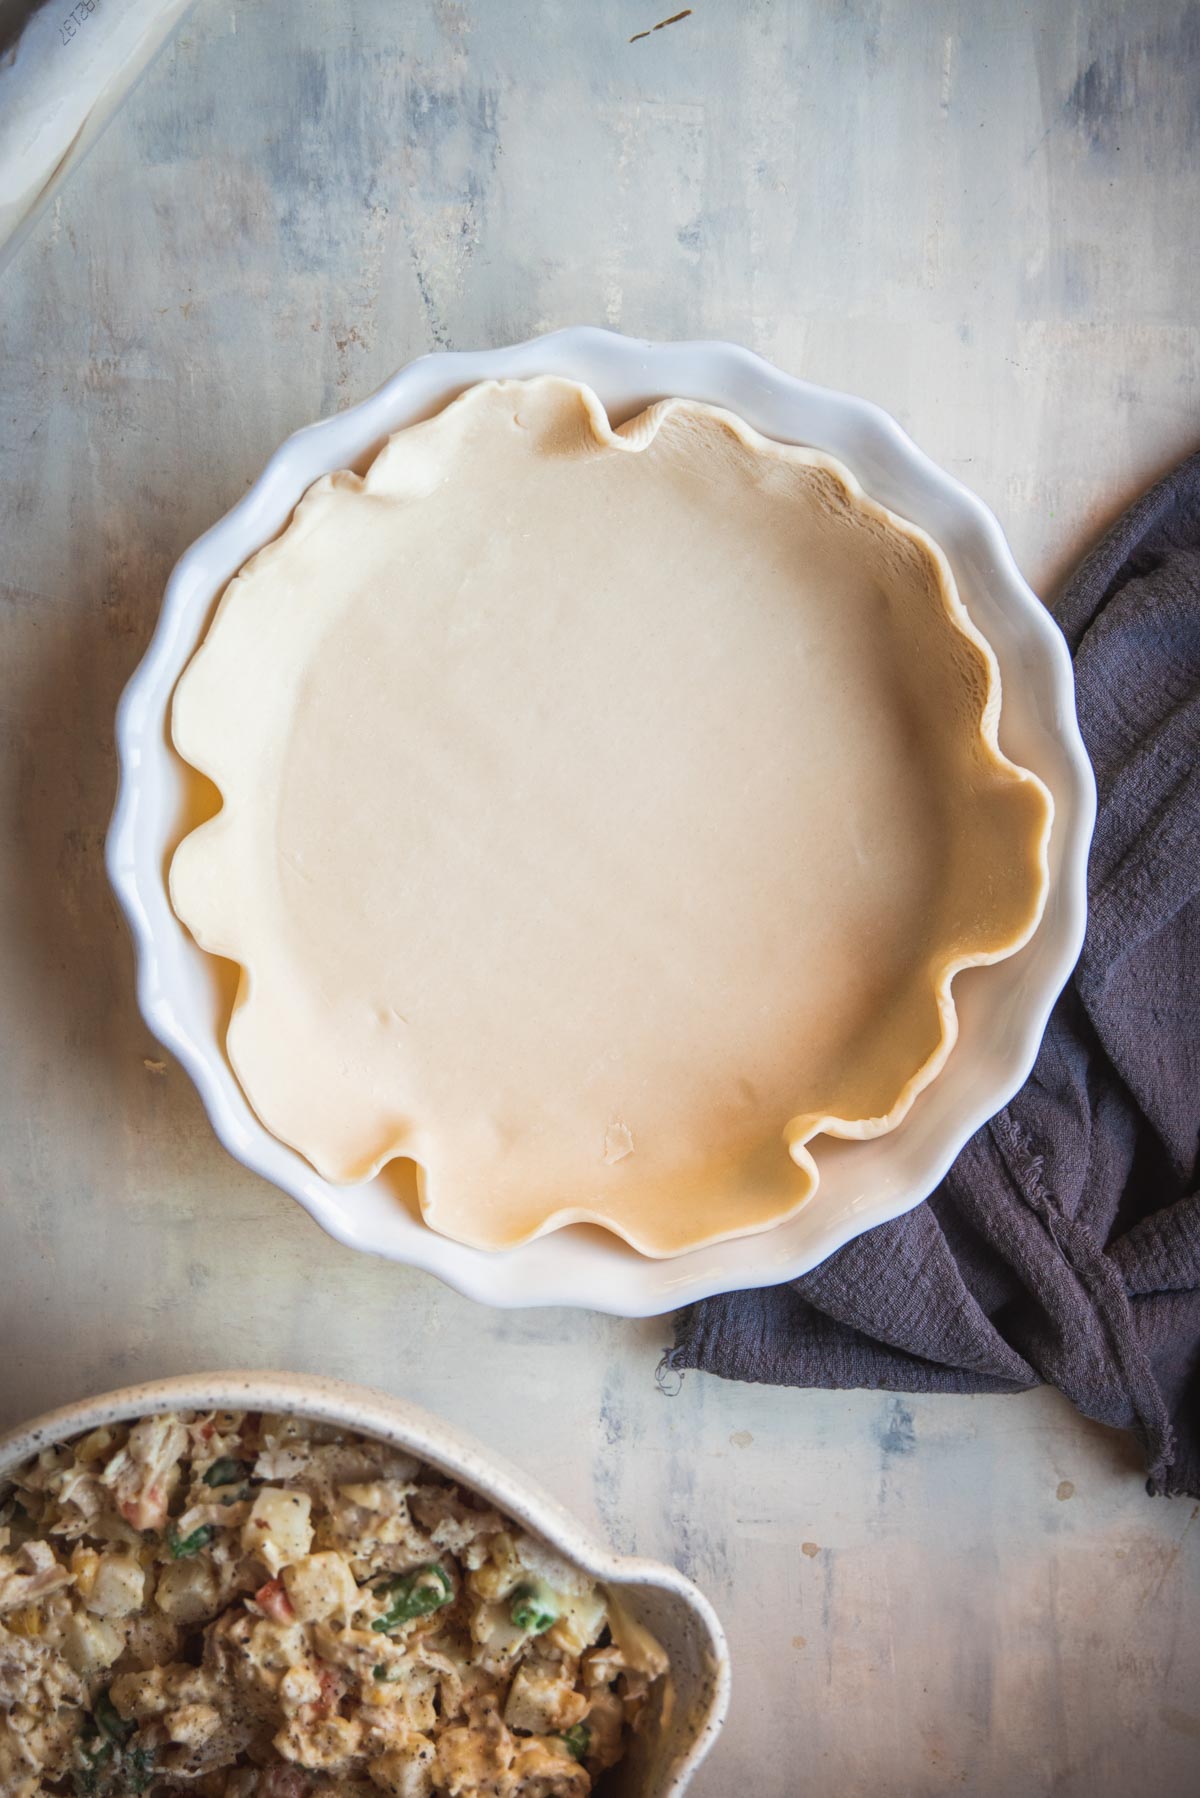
(88, 1781)
(412, 1595)
(531, 1611)
(183, 1547)
(577, 1740)
(109, 1720)
(226, 1472)
(141, 1769)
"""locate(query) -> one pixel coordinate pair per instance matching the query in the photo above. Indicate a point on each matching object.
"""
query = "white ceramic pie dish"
(1002, 1010)
(662, 1762)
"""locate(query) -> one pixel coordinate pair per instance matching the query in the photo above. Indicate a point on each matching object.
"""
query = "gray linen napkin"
(1064, 1245)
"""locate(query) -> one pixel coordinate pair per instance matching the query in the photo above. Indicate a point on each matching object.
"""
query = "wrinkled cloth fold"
(1064, 1245)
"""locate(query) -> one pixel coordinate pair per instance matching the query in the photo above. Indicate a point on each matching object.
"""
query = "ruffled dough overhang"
(605, 816)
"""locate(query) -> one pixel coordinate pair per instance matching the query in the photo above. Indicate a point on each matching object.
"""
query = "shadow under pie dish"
(605, 814)
(272, 1586)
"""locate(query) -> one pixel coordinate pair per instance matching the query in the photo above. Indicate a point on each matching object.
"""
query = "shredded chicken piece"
(32, 1573)
(143, 1474)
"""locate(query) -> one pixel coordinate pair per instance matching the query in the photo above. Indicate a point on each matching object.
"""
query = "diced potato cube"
(95, 1445)
(639, 1649)
(606, 1720)
(468, 1761)
(322, 1744)
(140, 1695)
(407, 1771)
(90, 1644)
(418, 1698)
(500, 1572)
(542, 1704)
(320, 1586)
(118, 1586)
(189, 1591)
(85, 1564)
(541, 1764)
(498, 1636)
(383, 1496)
(192, 1724)
(581, 1622)
(561, 1576)
(278, 1530)
(274, 1647)
(299, 1686)
(153, 1639)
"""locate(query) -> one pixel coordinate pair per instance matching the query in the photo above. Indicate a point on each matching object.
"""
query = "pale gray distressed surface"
(983, 216)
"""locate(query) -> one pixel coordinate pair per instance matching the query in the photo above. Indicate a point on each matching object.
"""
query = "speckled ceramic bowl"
(663, 1761)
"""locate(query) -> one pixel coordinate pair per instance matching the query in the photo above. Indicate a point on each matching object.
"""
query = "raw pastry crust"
(605, 816)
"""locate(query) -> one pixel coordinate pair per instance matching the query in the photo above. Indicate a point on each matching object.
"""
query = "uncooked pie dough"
(605, 814)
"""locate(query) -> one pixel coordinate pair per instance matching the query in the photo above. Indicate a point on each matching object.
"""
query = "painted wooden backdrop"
(983, 216)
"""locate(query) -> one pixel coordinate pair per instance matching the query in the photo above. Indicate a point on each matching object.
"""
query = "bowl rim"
(441, 1445)
(631, 1285)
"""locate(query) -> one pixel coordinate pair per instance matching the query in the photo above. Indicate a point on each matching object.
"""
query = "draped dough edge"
(216, 934)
